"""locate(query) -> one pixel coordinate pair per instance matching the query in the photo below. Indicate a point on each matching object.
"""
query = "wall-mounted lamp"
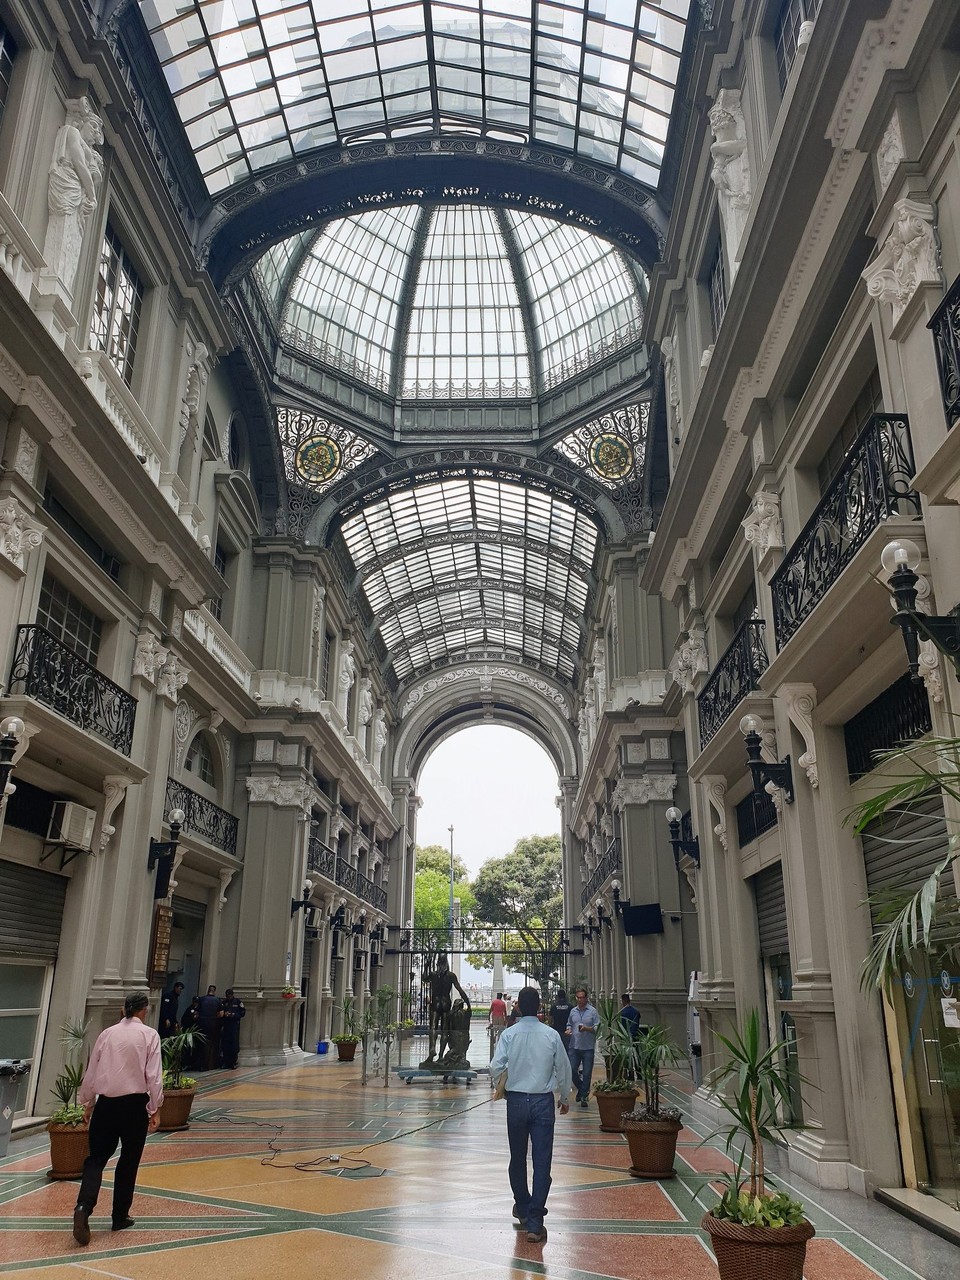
(901, 560)
(301, 904)
(602, 917)
(690, 847)
(589, 929)
(618, 902)
(765, 774)
(12, 731)
(163, 852)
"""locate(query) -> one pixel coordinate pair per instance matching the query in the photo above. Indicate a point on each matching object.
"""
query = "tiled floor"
(432, 1204)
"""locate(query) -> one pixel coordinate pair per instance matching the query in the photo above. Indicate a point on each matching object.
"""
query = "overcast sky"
(493, 785)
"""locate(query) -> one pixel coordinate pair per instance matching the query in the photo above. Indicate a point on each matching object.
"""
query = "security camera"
(297, 703)
(257, 697)
(142, 457)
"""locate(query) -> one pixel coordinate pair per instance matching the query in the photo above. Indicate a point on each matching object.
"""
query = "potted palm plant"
(756, 1233)
(350, 1035)
(651, 1128)
(179, 1089)
(618, 1092)
(67, 1126)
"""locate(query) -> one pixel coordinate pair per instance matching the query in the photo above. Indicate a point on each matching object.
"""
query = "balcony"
(608, 864)
(321, 858)
(350, 878)
(46, 669)
(873, 485)
(204, 818)
(945, 327)
(736, 674)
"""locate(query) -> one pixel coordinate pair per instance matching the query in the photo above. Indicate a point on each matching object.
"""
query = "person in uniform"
(170, 1011)
(231, 1012)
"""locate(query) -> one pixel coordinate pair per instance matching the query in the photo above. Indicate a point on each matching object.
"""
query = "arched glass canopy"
(263, 82)
(442, 302)
(474, 568)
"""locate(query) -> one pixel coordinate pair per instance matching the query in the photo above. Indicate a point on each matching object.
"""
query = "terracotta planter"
(758, 1253)
(287, 995)
(612, 1106)
(653, 1146)
(346, 1050)
(69, 1147)
(175, 1112)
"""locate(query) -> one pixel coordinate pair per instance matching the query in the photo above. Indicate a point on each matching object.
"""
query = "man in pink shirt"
(125, 1078)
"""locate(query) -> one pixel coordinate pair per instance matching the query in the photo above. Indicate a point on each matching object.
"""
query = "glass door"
(930, 1036)
(781, 981)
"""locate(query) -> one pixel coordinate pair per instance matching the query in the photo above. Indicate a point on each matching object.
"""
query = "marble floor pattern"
(405, 1202)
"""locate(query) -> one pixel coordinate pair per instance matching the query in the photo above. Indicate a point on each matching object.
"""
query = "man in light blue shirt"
(582, 1027)
(533, 1059)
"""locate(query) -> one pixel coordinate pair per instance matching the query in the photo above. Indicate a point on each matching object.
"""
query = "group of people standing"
(217, 1019)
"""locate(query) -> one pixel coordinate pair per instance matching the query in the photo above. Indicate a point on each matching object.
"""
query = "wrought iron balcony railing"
(46, 669)
(608, 864)
(204, 818)
(945, 327)
(872, 484)
(734, 676)
(350, 878)
(321, 858)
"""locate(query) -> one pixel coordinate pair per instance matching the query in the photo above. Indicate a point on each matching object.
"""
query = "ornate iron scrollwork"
(734, 676)
(203, 818)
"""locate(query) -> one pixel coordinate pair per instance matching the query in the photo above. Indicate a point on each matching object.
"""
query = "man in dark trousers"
(170, 1010)
(560, 1012)
(208, 1019)
(230, 1015)
(534, 1061)
(121, 1094)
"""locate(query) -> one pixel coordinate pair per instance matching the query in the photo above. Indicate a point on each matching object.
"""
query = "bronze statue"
(449, 1034)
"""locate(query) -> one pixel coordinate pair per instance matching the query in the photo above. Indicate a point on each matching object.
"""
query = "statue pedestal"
(447, 1075)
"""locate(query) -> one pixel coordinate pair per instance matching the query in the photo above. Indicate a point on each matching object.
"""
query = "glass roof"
(474, 567)
(485, 298)
(260, 82)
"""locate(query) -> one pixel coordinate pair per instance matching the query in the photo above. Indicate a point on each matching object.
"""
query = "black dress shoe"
(81, 1225)
(121, 1224)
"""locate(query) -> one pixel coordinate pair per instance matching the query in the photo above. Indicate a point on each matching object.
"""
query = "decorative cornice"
(283, 792)
(643, 789)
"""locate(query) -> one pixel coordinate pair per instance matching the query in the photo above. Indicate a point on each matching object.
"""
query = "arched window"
(199, 761)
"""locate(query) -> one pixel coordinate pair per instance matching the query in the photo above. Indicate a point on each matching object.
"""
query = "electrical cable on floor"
(321, 1163)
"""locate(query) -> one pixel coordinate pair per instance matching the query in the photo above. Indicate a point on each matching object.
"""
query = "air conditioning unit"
(72, 824)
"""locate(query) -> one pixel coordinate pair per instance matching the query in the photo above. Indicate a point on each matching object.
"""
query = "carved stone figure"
(731, 169)
(908, 258)
(671, 382)
(346, 674)
(379, 736)
(196, 381)
(73, 188)
(365, 707)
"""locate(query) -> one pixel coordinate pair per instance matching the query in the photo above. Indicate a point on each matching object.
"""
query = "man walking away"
(125, 1078)
(532, 1057)
(170, 1010)
(630, 1016)
(582, 1043)
(208, 1018)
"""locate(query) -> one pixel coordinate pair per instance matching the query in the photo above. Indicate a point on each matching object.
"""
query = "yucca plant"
(172, 1051)
(907, 922)
(655, 1053)
(67, 1084)
(618, 1047)
(751, 1086)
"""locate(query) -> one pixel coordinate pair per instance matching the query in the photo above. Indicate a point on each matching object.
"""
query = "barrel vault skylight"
(474, 568)
(448, 301)
(262, 82)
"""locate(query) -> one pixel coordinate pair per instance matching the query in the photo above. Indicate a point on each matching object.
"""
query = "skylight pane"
(551, 70)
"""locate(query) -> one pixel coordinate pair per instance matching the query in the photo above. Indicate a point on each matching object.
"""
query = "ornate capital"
(171, 678)
(763, 526)
(19, 532)
(150, 656)
(644, 789)
(691, 659)
(908, 258)
(287, 793)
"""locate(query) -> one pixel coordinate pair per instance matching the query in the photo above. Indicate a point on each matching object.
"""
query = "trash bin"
(322, 1046)
(12, 1071)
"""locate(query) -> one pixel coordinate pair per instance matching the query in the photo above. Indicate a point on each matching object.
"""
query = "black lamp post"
(690, 847)
(163, 852)
(618, 902)
(779, 773)
(301, 904)
(901, 559)
(12, 730)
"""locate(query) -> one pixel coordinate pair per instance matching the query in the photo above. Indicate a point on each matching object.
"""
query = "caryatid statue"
(73, 188)
(346, 673)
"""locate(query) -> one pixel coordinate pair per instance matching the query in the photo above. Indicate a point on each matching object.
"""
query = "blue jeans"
(530, 1119)
(581, 1064)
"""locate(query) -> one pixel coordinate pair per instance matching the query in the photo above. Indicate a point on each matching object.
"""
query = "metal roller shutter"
(31, 911)
(901, 849)
(187, 907)
(771, 911)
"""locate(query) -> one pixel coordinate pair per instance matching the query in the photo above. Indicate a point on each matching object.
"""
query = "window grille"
(717, 284)
(325, 665)
(65, 617)
(8, 52)
(116, 308)
(793, 14)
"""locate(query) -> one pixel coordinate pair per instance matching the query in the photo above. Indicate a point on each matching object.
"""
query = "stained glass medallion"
(611, 456)
(316, 451)
(318, 459)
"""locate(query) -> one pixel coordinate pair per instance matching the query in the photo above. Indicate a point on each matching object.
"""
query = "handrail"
(203, 817)
(737, 672)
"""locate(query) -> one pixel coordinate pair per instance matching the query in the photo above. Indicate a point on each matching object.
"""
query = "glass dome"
(452, 301)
